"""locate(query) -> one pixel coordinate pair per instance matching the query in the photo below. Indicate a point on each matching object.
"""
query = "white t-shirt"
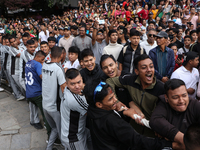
(69, 65)
(190, 78)
(44, 37)
(147, 46)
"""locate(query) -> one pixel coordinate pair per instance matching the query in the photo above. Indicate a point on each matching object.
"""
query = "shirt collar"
(166, 49)
(149, 87)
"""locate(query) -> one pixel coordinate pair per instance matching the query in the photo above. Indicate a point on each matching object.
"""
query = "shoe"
(20, 98)
(1, 89)
(36, 125)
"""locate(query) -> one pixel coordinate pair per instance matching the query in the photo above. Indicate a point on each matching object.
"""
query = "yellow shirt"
(154, 13)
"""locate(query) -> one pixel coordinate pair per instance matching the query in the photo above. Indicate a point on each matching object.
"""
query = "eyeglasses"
(152, 35)
(98, 89)
(99, 33)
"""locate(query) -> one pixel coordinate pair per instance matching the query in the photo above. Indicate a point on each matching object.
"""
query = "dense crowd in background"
(109, 74)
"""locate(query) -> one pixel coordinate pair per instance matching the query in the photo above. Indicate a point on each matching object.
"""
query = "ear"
(94, 58)
(166, 98)
(99, 105)
(136, 71)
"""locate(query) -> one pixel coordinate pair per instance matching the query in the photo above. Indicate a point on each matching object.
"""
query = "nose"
(109, 69)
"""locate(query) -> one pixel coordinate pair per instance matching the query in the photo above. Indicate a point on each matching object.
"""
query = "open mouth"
(90, 67)
(111, 73)
(149, 77)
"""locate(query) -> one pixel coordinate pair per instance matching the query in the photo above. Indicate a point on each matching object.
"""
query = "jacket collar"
(138, 81)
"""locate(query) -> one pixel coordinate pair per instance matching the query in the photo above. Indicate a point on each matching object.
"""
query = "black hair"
(86, 52)
(25, 29)
(173, 44)
(89, 92)
(152, 22)
(51, 38)
(140, 58)
(12, 37)
(192, 136)
(193, 31)
(111, 31)
(40, 53)
(74, 49)
(187, 30)
(198, 30)
(26, 35)
(188, 36)
(71, 73)
(43, 42)
(43, 24)
(56, 52)
(34, 38)
(134, 32)
(30, 42)
(173, 84)
(106, 56)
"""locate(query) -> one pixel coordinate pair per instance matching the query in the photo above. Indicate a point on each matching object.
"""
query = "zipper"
(142, 98)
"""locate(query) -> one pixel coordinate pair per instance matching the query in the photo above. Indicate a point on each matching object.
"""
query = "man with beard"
(144, 90)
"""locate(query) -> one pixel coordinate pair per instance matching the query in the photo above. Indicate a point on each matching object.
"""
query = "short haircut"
(198, 30)
(111, 31)
(40, 53)
(151, 30)
(152, 22)
(74, 49)
(43, 42)
(56, 52)
(86, 52)
(63, 49)
(30, 42)
(188, 36)
(134, 32)
(34, 38)
(192, 136)
(173, 44)
(193, 31)
(51, 38)
(71, 73)
(12, 37)
(173, 84)
(74, 27)
(106, 56)
(25, 29)
(26, 35)
(140, 58)
(42, 24)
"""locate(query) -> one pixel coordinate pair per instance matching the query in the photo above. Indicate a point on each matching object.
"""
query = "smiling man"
(92, 70)
(175, 113)
(144, 90)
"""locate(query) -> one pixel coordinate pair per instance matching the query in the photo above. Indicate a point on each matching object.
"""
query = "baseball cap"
(61, 28)
(150, 13)
(67, 28)
(170, 20)
(189, 56)
(162, 34)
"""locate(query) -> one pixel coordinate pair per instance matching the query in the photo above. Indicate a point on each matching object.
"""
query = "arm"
(198, 20)
(114, 82)
(107, 37)
(172, 64)
(191, 16)
(94, 34)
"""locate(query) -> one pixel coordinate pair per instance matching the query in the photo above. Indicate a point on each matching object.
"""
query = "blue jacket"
(170, 62)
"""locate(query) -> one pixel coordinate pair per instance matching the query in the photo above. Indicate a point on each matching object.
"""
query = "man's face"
(135, 40)
(31, 48)
(109, 102)
(13, 42)
(24, 39)
(178, 99)
(82, 32)
(45, 48)
(74, 32)
(7, 42)
(72, 56)
(113, 37)
(100, 36)
(161, 41)
(180, 33)
(151, 36)
(61, 32)
(193, 11)
(109, 67)
(51, 44)
(187, 41)
(194, 62)
(151, 26)
(145, 71)
(67, 33)
(89, 62)
(40, 59)
(75, 85)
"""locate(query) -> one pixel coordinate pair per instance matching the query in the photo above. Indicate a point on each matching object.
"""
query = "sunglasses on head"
(152, 35)
(98, 89)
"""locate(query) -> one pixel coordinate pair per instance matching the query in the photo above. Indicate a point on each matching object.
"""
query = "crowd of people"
(115, 75)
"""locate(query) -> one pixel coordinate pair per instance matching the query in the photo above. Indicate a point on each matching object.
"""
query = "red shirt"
(128, 15)
(144, 13)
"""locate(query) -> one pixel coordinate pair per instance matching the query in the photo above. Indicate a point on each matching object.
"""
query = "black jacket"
(167, 122)
(110, 132)
(96, 73)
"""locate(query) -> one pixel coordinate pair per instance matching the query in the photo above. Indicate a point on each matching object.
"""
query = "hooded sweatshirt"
(110, 131)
